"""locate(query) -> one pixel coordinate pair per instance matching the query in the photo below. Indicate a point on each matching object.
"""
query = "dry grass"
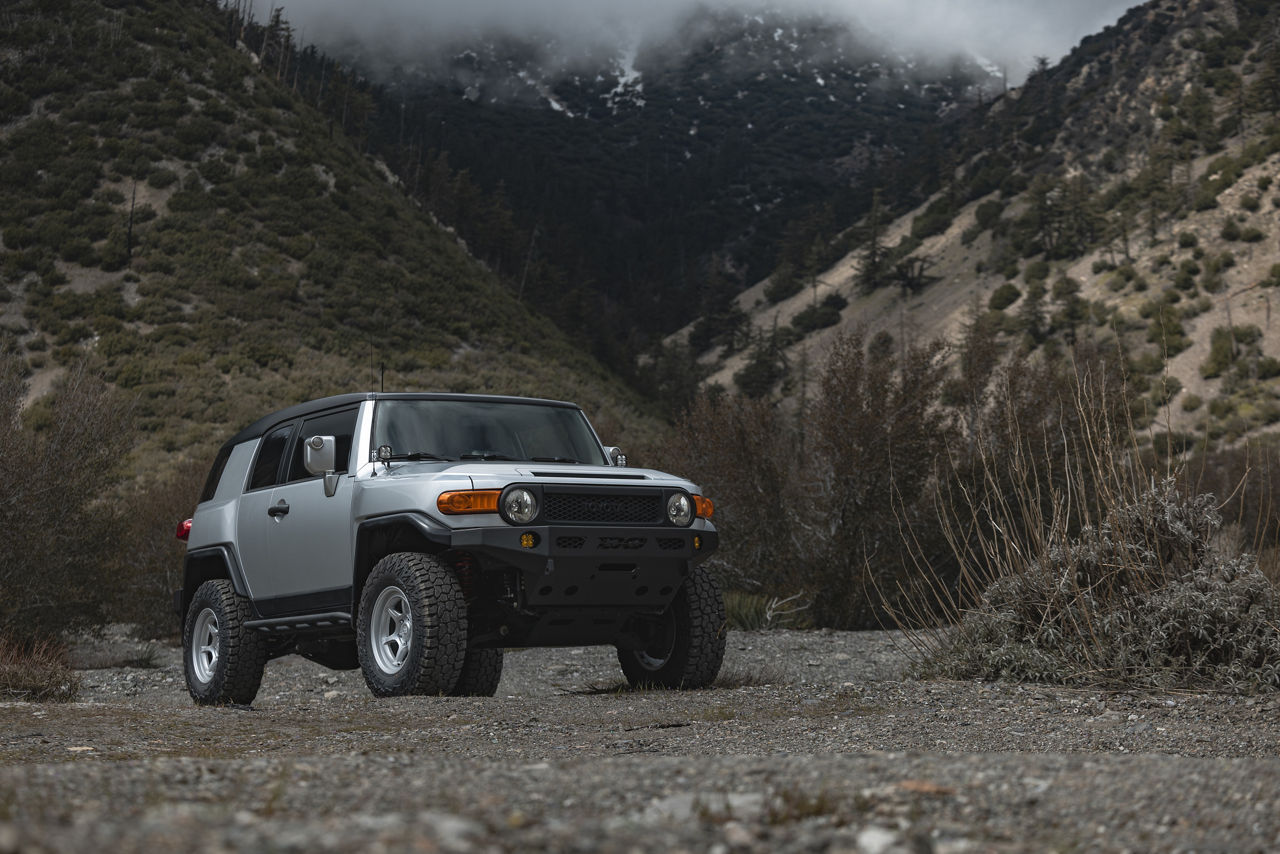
(1103, 573)
(36, 672)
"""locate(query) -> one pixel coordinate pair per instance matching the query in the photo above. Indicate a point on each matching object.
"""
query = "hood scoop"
(576, 475)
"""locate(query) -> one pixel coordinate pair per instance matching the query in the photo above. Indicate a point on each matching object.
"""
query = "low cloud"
(1012, 32)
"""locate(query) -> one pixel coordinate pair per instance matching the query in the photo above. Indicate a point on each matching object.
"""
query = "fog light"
(697, 542)
(528, 540)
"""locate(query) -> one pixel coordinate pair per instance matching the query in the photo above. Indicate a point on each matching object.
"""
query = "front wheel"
(686, 647)
(223, 661)
(411, 632)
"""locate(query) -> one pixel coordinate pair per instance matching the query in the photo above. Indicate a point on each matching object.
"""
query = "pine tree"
(874, 261)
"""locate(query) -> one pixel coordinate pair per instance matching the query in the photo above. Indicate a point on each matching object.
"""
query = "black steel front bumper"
(582, 565)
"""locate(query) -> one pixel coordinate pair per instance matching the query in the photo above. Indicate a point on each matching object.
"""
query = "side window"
(270, 452)
(215, 474)
(340, 425)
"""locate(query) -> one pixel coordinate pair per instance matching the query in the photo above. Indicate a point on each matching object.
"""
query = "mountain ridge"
(1178, 251)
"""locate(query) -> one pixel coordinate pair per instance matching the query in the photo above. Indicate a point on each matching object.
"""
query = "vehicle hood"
(496, 475)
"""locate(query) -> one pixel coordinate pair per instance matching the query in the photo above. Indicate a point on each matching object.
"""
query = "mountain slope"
(660, 177)
(170, 206)
(1126, 195)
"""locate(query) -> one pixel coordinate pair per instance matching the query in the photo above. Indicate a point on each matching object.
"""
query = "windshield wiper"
(414, 457)
(485, 455)
(557, 460)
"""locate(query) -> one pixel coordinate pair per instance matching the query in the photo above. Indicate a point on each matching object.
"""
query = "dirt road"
(818, 744)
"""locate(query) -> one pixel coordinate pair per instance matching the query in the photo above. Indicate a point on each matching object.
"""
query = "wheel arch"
(207, 564)
(401, 532)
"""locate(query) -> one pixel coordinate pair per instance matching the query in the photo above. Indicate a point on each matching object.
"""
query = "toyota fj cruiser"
(417, 536)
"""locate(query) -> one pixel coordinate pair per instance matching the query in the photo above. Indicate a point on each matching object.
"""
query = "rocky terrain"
(816, 742)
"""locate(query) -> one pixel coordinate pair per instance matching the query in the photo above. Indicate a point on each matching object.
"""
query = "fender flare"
(205, 564)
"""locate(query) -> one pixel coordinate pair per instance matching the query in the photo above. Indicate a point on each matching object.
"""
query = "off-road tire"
(225, 665)
(426, 599)
(481, 673)
(689, 648)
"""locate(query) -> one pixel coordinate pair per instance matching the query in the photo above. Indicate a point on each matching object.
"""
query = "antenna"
(382, 381)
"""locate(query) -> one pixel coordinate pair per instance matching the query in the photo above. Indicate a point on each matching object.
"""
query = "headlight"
(680, 509)
(519, 506)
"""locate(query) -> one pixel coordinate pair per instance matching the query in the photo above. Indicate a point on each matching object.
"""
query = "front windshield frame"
(485, 430)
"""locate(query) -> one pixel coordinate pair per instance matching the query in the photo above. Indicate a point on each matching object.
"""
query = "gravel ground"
(822, 746)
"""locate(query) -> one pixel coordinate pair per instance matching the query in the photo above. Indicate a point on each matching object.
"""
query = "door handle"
(281, 509)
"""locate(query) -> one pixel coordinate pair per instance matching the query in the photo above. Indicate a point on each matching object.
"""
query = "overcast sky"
(1011, 31)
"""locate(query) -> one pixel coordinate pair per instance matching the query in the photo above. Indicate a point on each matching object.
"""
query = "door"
(255, 522)
(312, 542)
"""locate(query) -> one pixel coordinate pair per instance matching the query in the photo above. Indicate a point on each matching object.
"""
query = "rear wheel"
(481, 673)
(686, 647)
(222, 660)
(411, 630)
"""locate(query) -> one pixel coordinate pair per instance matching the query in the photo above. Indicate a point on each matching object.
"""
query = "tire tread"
(242, 654)
(436, 598)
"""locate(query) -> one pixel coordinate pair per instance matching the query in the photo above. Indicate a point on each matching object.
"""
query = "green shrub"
(815, 317)
(1250, 203)
(1165, 389)
(1188, 240)
(1222, 407)
(161, 178)
(1036, 271)
(1230, 229)
(988, 213)
(1253, 235)
(1191, 402)
(1224, 347)
(783, 284)
(1003, 297)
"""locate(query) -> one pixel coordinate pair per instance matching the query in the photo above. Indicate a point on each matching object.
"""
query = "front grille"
(668, 544)
(592, 508)
(570, 542)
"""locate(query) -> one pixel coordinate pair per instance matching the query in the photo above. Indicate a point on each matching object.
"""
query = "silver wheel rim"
(391, 630)
(204, 646)
(664, 644)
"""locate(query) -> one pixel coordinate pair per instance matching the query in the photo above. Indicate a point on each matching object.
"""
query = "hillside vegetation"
(173, 209)
(1127, 196)
(650, 183)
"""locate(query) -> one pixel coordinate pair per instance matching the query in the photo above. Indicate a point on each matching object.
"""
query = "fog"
(1011, 32)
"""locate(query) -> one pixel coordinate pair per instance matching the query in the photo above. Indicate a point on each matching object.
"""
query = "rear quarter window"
(215, 474)
(266, 467)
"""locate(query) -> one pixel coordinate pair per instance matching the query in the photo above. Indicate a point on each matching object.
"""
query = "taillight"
(184, 529)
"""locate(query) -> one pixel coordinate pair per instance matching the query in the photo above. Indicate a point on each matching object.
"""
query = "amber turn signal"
(702, 507)
(469, 501)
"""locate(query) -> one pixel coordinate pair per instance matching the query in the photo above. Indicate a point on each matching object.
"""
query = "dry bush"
(60, 463)
(1247, 477)
(803, 501)
(36, 671)
(1099, 574)
(149, 566)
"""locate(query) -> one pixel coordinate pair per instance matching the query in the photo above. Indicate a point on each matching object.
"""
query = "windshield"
(485, 430)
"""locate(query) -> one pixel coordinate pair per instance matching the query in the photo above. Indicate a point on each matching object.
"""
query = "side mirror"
(318, 456)
(616, 457)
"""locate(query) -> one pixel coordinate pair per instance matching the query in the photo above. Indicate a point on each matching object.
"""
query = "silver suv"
(416, 536)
